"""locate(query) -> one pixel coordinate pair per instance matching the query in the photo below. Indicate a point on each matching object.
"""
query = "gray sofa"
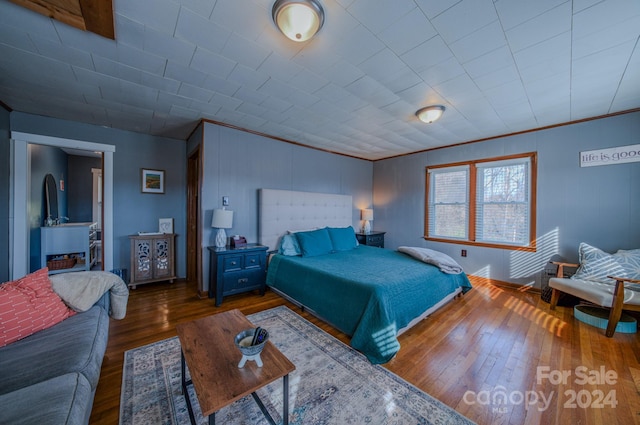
(50, 377)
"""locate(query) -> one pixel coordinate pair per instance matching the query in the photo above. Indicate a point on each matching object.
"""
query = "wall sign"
(610, 156)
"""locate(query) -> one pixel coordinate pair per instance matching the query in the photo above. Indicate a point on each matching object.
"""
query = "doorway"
(194, 247)
(20, 184)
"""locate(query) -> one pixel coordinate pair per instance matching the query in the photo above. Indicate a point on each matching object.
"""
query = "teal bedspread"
(368, 293)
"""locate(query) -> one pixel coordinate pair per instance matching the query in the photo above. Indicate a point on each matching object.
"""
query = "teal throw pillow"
(342, 238)
(316, 242)
(289, 246)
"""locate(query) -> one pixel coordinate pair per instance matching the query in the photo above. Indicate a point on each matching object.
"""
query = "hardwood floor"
(496, 355)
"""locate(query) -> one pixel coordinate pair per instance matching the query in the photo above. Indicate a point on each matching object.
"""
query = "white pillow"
(596, 264)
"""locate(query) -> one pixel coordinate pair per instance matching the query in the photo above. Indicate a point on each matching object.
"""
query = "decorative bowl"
(243, 342)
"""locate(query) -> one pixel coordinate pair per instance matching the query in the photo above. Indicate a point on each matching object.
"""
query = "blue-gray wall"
(133, 211)
(44, 160)
(597, 205)
(237, 164)
(5, 167)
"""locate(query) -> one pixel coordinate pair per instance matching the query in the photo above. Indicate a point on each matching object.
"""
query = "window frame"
(472, 201)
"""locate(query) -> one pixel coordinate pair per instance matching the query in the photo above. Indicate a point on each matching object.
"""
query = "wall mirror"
(51, 197)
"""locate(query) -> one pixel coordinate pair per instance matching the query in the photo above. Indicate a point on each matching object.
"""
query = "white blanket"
(439, 259)
(81, 290)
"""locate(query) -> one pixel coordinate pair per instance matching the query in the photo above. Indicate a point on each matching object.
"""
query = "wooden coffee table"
(209, 350)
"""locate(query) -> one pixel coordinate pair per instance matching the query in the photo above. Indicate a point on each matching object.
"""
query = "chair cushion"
(596, 292)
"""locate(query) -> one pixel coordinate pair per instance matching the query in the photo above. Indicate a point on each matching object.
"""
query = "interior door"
(194, 250)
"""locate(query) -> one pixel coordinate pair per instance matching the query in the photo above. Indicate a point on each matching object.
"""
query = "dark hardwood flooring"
(498, 356)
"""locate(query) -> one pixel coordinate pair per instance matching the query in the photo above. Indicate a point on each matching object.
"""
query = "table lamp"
(367, 216)
(222, 219)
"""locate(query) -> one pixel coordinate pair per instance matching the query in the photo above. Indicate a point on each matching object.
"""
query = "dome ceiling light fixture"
(298, 20)
(430, 114)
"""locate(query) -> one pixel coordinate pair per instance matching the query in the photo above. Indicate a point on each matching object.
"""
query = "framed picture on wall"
(152, 181)
(165, 225)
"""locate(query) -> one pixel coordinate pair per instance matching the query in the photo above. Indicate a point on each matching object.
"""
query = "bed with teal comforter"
(368, 293)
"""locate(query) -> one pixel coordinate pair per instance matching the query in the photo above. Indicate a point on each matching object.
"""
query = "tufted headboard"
(282, 210)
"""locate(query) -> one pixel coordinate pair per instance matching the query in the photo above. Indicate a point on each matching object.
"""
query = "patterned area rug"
(332, 384)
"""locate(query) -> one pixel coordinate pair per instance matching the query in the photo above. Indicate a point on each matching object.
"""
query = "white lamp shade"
(299, 20)
(222, 219)
(366, 214)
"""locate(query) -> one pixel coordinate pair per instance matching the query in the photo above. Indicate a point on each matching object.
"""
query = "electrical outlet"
(464, 253)
(225, 201)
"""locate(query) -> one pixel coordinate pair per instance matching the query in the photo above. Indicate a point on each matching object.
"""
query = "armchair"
(606, 280)
(623, 294)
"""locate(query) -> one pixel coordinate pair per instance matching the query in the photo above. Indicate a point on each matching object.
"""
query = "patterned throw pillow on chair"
(596, 264)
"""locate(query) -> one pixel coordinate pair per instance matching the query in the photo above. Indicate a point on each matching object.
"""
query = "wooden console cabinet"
(152, 258)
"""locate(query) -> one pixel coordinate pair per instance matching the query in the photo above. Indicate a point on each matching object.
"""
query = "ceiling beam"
(88, 15)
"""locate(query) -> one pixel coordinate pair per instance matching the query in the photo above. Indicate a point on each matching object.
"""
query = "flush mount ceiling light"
(299, 20)
(430, 113)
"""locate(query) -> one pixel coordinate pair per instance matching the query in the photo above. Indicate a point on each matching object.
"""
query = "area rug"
(332, 384)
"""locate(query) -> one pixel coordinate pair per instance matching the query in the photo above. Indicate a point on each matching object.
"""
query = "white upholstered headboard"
(282, 210)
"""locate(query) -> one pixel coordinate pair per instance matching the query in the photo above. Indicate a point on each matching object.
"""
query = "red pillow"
(29, 305)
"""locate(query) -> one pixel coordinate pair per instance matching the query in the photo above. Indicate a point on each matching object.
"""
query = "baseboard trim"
(505, 285)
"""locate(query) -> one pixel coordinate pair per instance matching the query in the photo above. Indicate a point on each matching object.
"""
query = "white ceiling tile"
(427, 54)
(489, 62)
(14, 16)
(543, 27)
(513, 13)
(498, 77)
(184, 74)
(244, 51)
(162, 45)
(377, 15)
(196, 93)
(244, 76)
(358, 45)
(382, 64)
(220, 85)
(143, 60)
(200, 7)
(478, 43)
(249, 20)
(442, 71)
(56, 51)
(408, 32)
(128, 32)
(433, 8)
(162, 16)
(279, 67)
(464, 18)
(605, 39)
(208, 62)
(550, 57)
(199, 30)
(604, 15)
(308, 81)
(343, 73)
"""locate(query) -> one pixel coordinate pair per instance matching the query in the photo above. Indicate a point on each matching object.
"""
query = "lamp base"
(221, 238)
(367, 227)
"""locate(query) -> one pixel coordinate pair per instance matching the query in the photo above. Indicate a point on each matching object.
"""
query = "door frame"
(20, 188)
(194, 182)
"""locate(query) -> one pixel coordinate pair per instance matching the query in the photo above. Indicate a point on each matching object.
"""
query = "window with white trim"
(487, 202)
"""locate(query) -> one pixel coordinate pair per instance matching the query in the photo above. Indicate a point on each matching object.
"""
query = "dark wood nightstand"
(372, 238)
(236, 270)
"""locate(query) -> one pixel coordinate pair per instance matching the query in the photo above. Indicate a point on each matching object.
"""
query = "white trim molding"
(20, 184)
